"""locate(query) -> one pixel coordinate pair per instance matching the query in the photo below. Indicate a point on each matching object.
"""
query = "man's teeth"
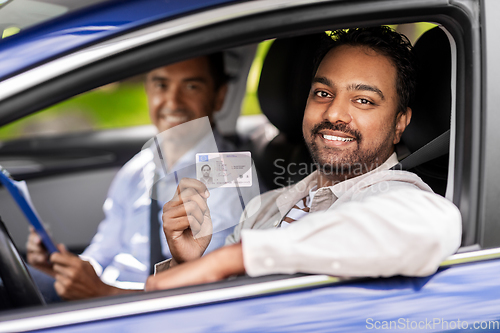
(336, 138)
(176, 119)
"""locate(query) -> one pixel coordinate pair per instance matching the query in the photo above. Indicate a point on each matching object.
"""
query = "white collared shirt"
(382, 223)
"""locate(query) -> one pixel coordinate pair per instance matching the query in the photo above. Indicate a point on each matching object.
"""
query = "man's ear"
(220, 95)
(402, 120)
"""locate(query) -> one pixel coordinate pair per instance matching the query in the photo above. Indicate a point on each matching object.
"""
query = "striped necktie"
(298, 211)
(156, 254)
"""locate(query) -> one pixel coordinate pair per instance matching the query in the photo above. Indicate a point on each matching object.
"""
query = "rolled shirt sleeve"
(405, 231)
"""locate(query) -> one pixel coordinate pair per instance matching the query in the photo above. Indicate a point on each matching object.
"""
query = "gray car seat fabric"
(283, 89)
(432, 104)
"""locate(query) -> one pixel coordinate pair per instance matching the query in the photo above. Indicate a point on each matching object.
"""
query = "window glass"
(250, 105)
(120, 104)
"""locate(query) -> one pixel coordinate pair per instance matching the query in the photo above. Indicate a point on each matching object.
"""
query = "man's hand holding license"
(188, 228)
(186, 221)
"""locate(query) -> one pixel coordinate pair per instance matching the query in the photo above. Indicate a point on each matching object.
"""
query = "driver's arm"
(215, 266)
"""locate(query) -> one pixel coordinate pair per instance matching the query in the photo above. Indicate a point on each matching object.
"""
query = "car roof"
(86, 26)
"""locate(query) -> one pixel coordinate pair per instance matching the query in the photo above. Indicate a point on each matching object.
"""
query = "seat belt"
(434, 149)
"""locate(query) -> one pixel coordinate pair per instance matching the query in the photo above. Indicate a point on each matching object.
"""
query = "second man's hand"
(186, 221)
(37, 255)
(77, 279)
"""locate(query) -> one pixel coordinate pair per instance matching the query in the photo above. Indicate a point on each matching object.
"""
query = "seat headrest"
(285, 82)
(432, 104)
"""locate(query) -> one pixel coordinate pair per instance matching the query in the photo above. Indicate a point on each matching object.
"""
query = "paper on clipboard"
(19, 191)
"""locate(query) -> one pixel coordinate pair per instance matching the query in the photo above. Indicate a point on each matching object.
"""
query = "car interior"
(82, 165)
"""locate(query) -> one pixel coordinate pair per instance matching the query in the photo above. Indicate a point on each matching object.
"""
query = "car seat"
(283, 89)
(431, 106)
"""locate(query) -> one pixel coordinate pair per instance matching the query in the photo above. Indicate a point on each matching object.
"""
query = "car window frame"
(255, 26)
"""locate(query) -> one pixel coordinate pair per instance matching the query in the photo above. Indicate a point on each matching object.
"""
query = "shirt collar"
(342, 187)
(300, 190)
(296, 192)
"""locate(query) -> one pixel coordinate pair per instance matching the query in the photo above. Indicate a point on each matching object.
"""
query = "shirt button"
(269, 262)
(335, 265)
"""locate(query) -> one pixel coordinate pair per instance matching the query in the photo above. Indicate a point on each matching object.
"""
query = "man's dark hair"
(206, 165)
(217, 69)
(385, 41)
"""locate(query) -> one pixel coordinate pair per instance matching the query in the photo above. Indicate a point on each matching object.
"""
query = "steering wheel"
(19, 286)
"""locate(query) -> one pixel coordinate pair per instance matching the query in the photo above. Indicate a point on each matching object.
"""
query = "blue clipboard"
(19, 192)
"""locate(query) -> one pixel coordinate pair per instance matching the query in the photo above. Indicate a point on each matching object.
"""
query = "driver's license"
(224, 169)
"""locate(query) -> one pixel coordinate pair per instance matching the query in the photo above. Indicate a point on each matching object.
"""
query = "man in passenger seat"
(119, 253)
(354, 216)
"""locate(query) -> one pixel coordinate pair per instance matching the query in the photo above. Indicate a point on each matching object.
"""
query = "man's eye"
(364, 101)
(322, 94)
(159, 85)
(192, 86)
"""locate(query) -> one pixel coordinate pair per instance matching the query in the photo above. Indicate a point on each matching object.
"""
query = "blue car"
(55, 52)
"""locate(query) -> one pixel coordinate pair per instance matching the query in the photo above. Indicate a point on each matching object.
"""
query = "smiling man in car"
(121, 252)
(354, 216)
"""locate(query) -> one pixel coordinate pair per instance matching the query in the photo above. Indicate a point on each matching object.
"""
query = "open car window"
(87, 137)
(116, 105)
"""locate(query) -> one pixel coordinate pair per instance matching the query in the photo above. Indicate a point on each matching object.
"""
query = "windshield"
(16, 15)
